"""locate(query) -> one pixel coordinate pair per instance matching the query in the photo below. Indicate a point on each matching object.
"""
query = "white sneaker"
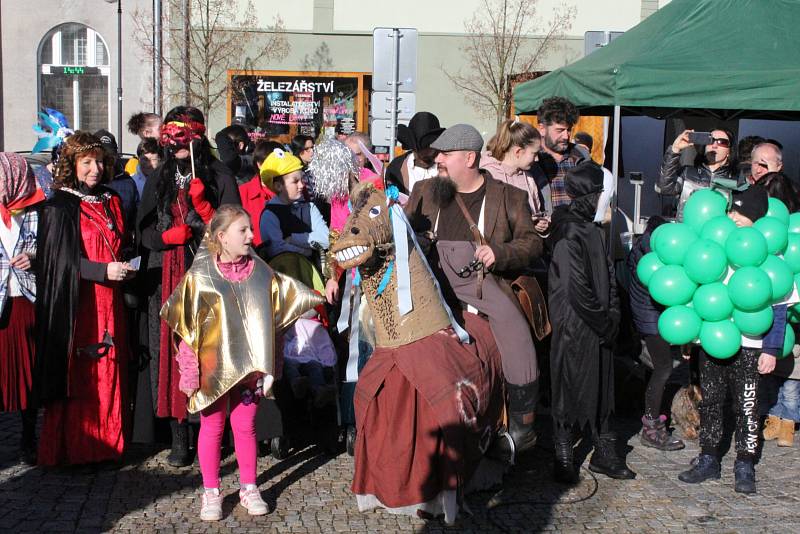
(211, 509)
(251, 499)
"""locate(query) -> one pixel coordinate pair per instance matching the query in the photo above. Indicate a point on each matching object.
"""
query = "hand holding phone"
(701, 138)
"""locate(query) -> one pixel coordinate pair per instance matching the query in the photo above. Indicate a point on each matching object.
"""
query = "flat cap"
(459, 137)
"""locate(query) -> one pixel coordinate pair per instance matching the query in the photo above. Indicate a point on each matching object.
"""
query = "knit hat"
(753, 202)
(459, 137)
(279, 163)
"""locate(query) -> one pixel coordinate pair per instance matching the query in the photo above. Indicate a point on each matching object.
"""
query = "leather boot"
(607, 461)
(564, 470)
(179, 455)
(656, 434)
(520, 436)
(771, 427)
(786, 433)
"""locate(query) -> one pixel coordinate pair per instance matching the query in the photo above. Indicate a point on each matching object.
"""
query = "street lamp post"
(119, 73)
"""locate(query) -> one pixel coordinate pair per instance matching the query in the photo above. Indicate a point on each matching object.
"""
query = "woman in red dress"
(82, 358)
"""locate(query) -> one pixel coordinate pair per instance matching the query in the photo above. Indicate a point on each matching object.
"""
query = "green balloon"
(754, 323)
(703, 206)
(792, 254)
(750, 289)
(712, 303)
(672, 242)
(648, 265)
(780, 275)
(794, 223)
(778, 210)
(775, 232)
(746, 247)
(788, 342)
(679, 325)
(718, 229)
(720, 339)
(705, 261)
(670, 286)
(793, 314)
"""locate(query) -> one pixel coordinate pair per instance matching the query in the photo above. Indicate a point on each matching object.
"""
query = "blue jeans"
(787, 405)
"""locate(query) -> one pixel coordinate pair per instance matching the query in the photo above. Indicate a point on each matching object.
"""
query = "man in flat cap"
(479, 236)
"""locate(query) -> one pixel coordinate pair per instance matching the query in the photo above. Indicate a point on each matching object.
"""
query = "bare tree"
(220, 33)
(505, 38)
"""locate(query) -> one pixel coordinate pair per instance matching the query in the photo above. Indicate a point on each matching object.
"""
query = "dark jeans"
(661, 356)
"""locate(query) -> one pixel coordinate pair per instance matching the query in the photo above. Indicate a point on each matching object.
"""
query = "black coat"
(584, 313)
(58, 257)
(644, 309)
(394, 173)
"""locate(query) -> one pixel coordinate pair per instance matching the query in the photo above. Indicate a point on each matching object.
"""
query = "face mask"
(181, 133)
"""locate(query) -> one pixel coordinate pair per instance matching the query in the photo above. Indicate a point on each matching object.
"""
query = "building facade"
(62, 54)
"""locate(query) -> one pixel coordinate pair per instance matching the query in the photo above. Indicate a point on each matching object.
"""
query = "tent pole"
(615, 171)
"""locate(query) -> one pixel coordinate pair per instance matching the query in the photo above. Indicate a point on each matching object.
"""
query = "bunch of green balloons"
(718, 281)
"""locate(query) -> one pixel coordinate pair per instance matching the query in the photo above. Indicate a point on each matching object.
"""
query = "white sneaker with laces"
(250, 498)
(211, 509)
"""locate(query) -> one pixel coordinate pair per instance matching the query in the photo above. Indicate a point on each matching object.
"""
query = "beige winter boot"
(771, 428)
(786, 433)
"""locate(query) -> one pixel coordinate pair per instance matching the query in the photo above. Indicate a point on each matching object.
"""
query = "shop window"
(74, 74)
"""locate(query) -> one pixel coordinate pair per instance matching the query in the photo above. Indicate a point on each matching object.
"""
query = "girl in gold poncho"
(225, 312)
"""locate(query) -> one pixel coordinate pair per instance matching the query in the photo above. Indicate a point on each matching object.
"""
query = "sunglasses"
(721, 141)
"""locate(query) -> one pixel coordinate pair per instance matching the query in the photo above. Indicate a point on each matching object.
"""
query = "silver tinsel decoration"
(330, 170)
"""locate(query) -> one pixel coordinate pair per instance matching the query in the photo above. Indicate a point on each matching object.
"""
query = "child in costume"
(739, 376)
(226, 312)
(289, 223)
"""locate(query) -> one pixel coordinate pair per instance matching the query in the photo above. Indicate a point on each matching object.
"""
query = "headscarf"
(17, 186)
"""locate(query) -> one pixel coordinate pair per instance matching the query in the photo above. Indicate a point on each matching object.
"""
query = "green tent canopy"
(725, 58)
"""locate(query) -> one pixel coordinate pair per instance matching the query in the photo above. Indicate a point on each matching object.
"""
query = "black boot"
(744, 475)
(179, 455)
(656, 434)
(704, 467)
(521, 414)
(28, 442)
(564, 465)
(606, 459)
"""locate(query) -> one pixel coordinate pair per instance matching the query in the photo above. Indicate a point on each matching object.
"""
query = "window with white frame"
(73, 75)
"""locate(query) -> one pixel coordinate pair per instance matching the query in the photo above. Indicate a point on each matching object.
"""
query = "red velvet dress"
(171, 400)
(91, 424)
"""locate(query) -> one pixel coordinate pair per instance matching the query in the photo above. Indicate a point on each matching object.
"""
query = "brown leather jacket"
(508, 227)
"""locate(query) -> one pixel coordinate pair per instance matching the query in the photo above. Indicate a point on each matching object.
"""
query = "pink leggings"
(209, 441)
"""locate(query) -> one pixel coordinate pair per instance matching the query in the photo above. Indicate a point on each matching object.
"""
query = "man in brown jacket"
(479, 236)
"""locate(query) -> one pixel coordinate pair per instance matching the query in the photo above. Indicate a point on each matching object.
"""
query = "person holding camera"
(714, 160)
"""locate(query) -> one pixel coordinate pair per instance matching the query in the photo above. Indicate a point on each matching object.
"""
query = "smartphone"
(700, 138)
(636, 178)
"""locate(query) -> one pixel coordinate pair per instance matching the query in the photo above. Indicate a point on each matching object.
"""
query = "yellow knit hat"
(279, 163)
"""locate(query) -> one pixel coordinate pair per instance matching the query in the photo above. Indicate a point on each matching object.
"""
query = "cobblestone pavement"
(309, 492)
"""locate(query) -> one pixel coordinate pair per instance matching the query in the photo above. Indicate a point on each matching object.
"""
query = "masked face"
(177, 135)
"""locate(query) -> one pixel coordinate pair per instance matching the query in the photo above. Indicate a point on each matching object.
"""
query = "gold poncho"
(231, 326)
